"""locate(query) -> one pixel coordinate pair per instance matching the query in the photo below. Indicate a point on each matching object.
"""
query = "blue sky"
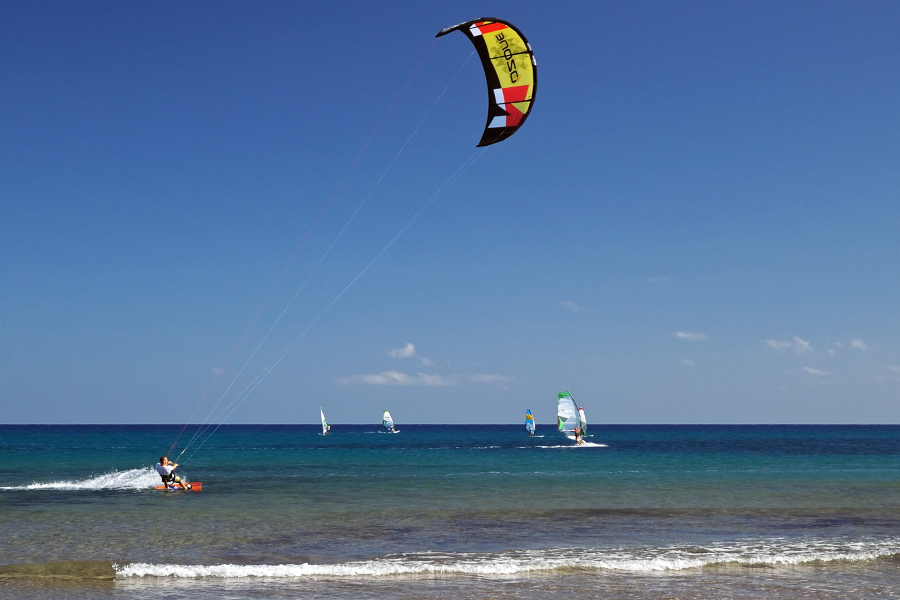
(697, 224)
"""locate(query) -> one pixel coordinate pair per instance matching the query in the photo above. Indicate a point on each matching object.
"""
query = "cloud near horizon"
(815, 371)
(423, 379)
(799, 345)
(407, 351)
(569, 305)
(693, 337)
(396, 378)
(858, 344)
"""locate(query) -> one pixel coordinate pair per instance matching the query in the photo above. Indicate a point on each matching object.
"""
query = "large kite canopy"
(511, 73)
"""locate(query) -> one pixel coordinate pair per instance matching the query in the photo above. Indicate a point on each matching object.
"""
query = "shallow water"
(462, 511)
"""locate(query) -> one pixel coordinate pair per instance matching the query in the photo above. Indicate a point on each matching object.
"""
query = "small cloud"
(407, 351)
(893, 368)
(815, 371)
(776, 344)
(569, 305)
(687, 335)
(689, 363)
(396, 378)
(489, 378)
(831, 352)
(217, 371)
(858, 344)
(799, 345)
(426, 361)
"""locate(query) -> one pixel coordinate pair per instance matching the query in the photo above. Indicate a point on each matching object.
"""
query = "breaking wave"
(132, 479)
(769, 552)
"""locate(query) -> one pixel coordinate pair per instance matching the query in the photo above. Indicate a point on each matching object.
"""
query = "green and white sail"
(386, 421)
(568, 419)
(325, 425)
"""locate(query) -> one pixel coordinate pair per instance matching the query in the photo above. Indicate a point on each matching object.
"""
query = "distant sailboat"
(388, 423)
(570, 417)
(529, 422)
(325, 426)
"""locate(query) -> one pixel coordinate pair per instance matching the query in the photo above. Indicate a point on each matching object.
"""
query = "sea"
(452, 511)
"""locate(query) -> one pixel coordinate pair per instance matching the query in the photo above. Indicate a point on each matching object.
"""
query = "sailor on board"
(165, 470)
(579, 436)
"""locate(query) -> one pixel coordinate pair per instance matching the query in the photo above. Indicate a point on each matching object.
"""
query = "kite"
(511, 72)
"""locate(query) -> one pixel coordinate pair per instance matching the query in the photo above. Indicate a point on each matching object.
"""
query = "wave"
(132, 479)
(584, 445)
(770, 552)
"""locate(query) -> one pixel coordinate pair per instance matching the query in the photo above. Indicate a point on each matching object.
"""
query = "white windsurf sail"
(583, 421)
(529, 422)
(387, 422)
(567, 418)
(325, 425)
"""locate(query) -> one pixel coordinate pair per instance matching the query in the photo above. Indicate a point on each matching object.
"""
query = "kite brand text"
(510, 61)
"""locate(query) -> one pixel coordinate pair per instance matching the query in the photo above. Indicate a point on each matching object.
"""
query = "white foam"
(770, 552)
(132, 479)
(584, 445)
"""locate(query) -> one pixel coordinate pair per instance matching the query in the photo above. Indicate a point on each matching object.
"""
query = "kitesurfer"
(165, 470)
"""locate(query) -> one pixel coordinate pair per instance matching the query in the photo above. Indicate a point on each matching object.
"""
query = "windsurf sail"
(386, 421)
(567, 416)
(583, 421)
(325, 425)
(529, 422)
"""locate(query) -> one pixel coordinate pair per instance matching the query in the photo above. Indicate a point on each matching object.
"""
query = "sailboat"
(388, 423)
(529, 422)
(570, 417)
(325, 426)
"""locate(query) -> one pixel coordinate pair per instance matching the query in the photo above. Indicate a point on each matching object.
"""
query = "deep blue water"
(458, 506)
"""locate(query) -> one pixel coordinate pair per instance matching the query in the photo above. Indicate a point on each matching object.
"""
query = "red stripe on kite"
(490, 27)
(514, 117)
(516, 93)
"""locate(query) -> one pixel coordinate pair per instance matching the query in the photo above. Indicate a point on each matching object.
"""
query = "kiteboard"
(192, 487)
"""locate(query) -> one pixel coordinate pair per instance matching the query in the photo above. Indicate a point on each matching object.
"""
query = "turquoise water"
(465, 511)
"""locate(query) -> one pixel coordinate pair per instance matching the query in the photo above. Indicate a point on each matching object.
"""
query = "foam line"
(132, 479)
(773, 552)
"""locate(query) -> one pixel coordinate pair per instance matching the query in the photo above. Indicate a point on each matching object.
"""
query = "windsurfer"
(165, 470)
(579, 436)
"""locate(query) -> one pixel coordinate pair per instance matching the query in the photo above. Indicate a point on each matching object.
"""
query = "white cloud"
(569, 305)
(396, 378)
(217, 371)
(689, 363)
(815, 371)
(858, 344)
(831, 352)
(799, 345)
(426, 361)
(687, 335)
(407, 351)
(489, 378)
(776, 344)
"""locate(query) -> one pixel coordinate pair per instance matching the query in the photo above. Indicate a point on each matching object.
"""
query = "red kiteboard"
(192, 487)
